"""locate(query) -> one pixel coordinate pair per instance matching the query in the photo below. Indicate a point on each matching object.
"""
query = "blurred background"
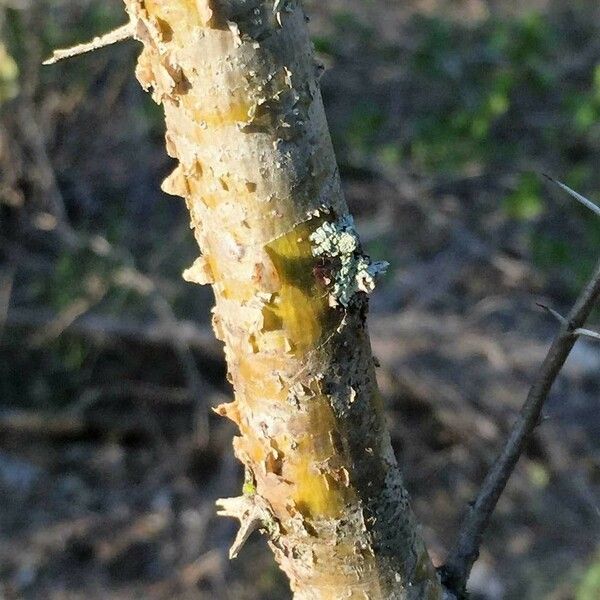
(443, 115)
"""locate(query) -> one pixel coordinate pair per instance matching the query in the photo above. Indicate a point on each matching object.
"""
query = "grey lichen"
(356, 272)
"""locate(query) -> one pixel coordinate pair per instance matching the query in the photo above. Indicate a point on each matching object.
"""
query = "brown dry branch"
(466, 549)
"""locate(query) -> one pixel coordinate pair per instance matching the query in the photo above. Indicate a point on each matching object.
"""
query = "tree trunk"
(245, 119)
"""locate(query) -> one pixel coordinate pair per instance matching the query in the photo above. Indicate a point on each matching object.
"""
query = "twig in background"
(96, 291)
(131, 278)
(196, 383)
(466, 550)
(127, 275)
(6, 287)
(135, 390)
(102, 328)
(580, 331)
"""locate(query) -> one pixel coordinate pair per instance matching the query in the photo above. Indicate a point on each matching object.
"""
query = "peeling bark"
(245, 120)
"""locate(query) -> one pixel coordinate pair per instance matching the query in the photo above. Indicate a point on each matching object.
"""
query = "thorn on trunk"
(112, 37)
(253, 512)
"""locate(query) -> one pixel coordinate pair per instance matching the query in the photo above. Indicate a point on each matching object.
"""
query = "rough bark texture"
(245, 120)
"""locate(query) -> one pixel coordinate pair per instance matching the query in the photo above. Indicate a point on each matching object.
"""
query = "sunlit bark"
(245, 120)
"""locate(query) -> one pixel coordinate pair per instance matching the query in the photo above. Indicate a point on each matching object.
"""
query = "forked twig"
(466, 549)
(580, 331)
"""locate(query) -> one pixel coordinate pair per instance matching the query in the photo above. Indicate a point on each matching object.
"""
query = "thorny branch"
(580, 331)
(456, 571)
(466, 550)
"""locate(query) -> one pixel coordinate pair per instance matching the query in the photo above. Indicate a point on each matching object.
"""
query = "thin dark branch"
(579, 332)
(552, 312)
(466, 549)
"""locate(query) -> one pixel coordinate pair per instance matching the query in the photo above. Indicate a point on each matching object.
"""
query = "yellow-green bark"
(245, 120)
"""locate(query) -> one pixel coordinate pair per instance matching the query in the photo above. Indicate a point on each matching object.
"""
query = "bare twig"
(552, 312)
(580, 331)
(41, 171)
(135, 390)
(53, 329)
(112, 37)
(135, 280)
(466, 549)
(35, 423)
(587, 333)
(581, 199)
